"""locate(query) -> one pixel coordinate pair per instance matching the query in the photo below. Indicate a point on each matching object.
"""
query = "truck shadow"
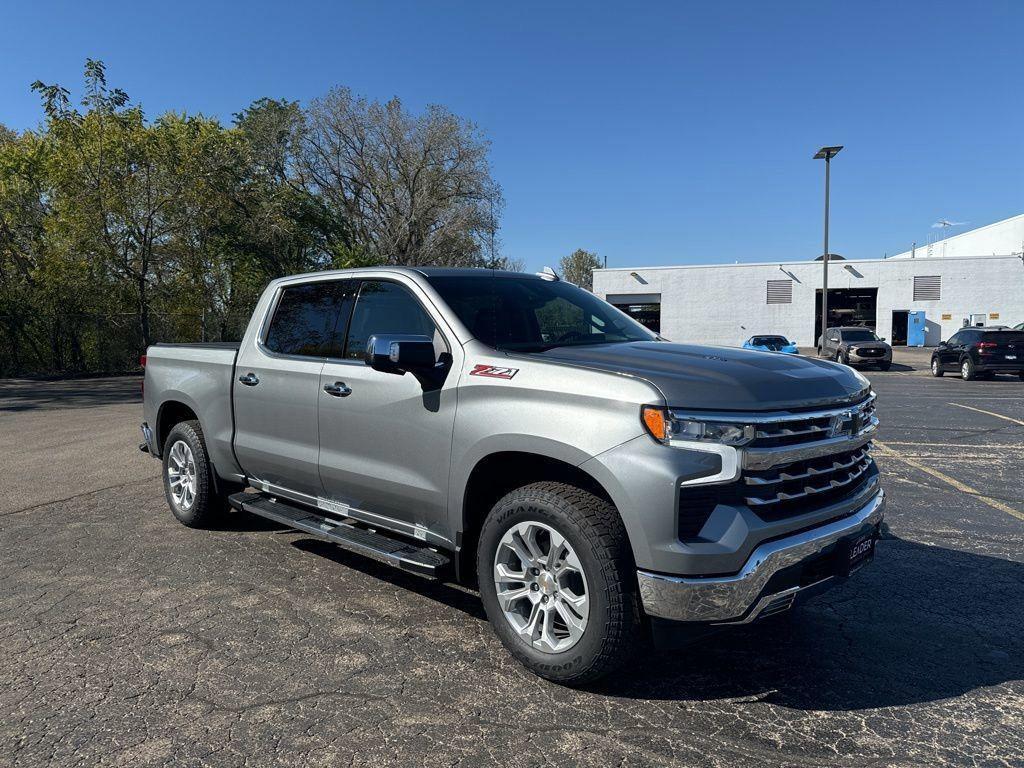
(451, 595)
(923, 623)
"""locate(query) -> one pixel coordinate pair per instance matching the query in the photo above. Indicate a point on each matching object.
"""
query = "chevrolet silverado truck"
(598, 484)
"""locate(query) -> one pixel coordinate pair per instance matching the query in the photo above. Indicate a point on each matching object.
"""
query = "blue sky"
(653, 133)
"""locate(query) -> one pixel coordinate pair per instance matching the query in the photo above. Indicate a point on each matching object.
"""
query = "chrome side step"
(423, 561)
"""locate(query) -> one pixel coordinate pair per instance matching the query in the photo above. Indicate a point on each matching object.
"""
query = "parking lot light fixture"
(826, 154)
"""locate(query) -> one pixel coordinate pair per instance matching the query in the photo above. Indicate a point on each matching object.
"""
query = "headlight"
(666, 428)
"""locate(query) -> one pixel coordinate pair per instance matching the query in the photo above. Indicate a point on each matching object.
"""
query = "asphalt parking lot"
(131, 640)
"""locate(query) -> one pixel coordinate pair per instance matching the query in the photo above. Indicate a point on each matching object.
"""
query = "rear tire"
(188, 477)
(967, 372)
(593, 560)
(936, 368)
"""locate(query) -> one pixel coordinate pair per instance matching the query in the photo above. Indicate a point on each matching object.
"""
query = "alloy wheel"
(181, 474)
(541, 587)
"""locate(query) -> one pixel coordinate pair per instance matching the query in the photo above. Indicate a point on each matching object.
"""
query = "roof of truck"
(470, 272)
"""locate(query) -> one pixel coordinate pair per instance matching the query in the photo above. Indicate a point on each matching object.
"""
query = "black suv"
(855, 345)
(981, 352)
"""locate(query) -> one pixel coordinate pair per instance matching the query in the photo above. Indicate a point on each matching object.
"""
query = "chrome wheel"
(181, 474)
(935, 367)
(541, 587)
(965, 370)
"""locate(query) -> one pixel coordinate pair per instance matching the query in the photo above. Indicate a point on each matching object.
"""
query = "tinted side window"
(385, 308)
(306, 317)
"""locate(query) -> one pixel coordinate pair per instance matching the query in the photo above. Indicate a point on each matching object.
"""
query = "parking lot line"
(962, 487)
(997, 415)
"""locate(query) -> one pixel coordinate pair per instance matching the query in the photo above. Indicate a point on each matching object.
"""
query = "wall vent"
(927, 287)
(780, 291)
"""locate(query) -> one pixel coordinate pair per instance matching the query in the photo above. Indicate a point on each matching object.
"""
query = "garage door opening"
(645, 308)
(847, 306)
(899, 327)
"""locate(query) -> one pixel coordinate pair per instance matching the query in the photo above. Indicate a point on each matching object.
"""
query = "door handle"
(338, 389)
(250, 379)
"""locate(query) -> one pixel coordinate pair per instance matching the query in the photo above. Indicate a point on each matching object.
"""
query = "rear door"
(277, 387)
(385, 444)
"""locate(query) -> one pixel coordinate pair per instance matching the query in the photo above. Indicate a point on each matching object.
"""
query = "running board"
(422, 561)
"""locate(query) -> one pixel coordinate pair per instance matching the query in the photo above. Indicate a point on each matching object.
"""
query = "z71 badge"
(493, 372)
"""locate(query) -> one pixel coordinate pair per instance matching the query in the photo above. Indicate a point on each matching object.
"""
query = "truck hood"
(722, 378)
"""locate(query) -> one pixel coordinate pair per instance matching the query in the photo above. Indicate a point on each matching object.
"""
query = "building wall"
(725, 304)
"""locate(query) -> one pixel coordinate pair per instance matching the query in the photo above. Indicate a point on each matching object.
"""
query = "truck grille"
(796, 464)
(870, 352)
(793, 489)
(795, 429)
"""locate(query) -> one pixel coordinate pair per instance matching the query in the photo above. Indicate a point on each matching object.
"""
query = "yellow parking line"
(989, 413)
(962, 487)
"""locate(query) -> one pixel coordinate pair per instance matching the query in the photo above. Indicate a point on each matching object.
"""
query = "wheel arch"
(173, 410)
(494, 475)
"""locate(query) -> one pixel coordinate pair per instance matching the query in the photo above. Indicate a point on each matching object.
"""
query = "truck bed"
(200, 376)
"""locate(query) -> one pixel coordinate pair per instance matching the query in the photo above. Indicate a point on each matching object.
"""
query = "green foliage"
(578, 268)
(117, 231)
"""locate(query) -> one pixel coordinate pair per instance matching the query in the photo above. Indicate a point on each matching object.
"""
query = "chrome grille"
(797, 429)
(794, 488)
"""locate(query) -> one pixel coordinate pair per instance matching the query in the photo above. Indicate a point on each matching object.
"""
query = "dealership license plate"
(856, 553)
(1011, 357)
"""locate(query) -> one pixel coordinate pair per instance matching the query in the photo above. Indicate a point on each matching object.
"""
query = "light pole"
(826, 154)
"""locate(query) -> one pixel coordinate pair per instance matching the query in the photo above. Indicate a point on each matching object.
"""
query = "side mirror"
(834, 338)
(942, 344)
(881, 338)
(398, 353)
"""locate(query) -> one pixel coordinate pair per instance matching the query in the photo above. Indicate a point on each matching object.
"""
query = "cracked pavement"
(130, 640)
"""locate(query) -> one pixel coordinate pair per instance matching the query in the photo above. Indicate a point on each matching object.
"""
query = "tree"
(578, 267)
(416, 189)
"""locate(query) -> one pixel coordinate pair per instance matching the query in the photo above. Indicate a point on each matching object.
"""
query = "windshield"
(859, 335)
(530, 315)
(775, 342)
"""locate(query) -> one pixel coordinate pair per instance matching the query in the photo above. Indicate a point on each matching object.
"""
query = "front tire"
(188, 483)
(967, 372)
(936, 368)
(558, 582)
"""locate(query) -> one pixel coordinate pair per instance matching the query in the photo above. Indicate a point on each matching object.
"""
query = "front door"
(277, 387)
(385, 439)
(949, 355)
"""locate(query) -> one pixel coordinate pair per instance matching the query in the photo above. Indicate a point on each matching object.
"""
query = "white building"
(727, 303)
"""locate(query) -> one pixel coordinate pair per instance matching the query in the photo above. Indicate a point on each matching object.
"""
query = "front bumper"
(757, 588)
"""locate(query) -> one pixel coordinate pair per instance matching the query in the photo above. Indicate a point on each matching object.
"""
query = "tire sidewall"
(536, 508)
(195, 515)
(967, 369)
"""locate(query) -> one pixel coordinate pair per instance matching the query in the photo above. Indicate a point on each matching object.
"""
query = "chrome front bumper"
(741, 598)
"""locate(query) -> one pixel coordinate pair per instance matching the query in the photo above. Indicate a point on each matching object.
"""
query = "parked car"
(981, 353)
(855, 346)
(771, 344)
(517, 432)
(1019, 327)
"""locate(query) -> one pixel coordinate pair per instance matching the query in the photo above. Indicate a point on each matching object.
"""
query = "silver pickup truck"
(598, 483)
